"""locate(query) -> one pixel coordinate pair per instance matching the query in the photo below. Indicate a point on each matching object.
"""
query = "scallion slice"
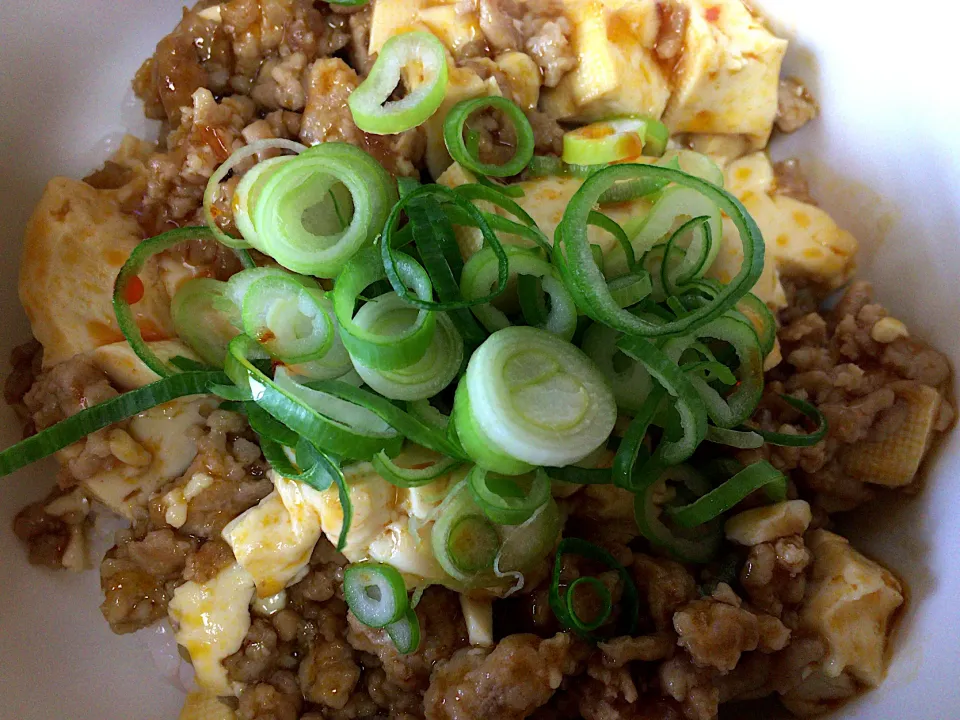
(213, 185)
(453, 129)
(391, 351)
(405, 632)
(587, 283)
(539, 399)
(298, 216)
(412, 477)
(198, 320)
(387, 315)
(375, 593)
(560, 602)
(789, 440)
(290, 322)
(481, 274)
(421, 53)
(130, 270)
(613, 140)
(74, 428)
(508, 500)
(711, 505)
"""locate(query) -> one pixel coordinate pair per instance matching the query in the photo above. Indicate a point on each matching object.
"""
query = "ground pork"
(832, 359)
(773, 576)
(795, 105)
(507, 682)
(443, 632)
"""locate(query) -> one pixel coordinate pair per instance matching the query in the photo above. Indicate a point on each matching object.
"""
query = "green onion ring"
(405, 632)
(788, 440)
(370, 103)
(224, 169)
(412, 477)
(630, 601)
(87, 421)
(453, 136)
(382, 352)
(587, 282)
(503, 500)
(131, 268)
(713, 504)
(375, 593)
(601, 591)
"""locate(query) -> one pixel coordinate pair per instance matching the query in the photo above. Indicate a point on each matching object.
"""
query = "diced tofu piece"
(274, 540)
(523, 77)
(75, 243)
(127, 371)
(850, 602)
(800, 239)
(819, 693)
(390, 524)
(202, 705)
(456, 27)
(478, 614)
(894, 461)
(727, 78)
(766, 524)
(213, 618)
(616, 73)
(164, 431)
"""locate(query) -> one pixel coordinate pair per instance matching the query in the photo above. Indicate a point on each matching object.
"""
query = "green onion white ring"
(370, 105)
(221, 172)
(425, 377)
(297, 217)
(199, 322)
(538, 398)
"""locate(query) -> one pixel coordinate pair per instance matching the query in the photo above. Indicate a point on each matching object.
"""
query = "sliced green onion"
(412, 477)
(560, 603)
(526, 545)
(695, 546)
(291, 322)
(613, 140)
(504, 499)
(407, 425)
(309, 413)
(682, 264)
(734, 408)
(131, 269)
(587, 283)
(788, 440)
(264, 425)
(742, 439)
(405, 632)
(370, 103)
(313, 467)
(87, 421)
(545, 166)
(629, 380)
(481, 273)
(764, 323)
(388, 315)
(453, 127)
(689, 405)
(464, 541)
(199, 322)
(477, 444)
(581, 476)
(601, 592)
(631, 445)
(213, 184)
(375, 593)
(296, 214)
(382, 352)
(539, 399)
(419, 200)
(239, 283)
(713, 504)
(628, 290)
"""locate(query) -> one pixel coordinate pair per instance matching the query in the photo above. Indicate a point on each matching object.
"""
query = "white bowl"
(885, 159)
